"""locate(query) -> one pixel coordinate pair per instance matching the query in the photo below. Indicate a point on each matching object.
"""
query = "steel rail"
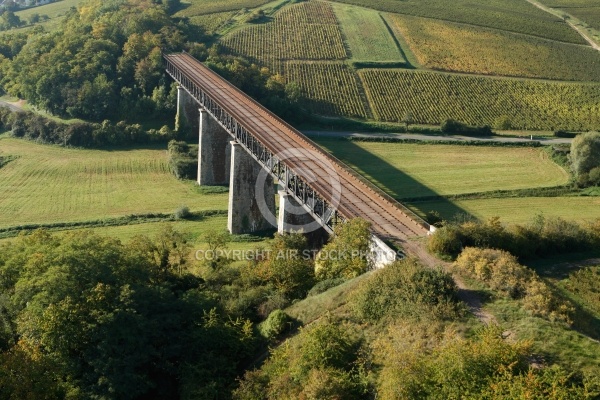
(265, 135)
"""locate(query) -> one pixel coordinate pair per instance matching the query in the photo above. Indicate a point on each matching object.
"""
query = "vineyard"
(456, 47)
(519, 104)
(203, 7)
(367, 35)
(211, 22)
(509, 15)
(590, 15)
(330, 88)
(304, 31)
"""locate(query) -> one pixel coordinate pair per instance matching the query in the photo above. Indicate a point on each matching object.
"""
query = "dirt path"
(15, 107)
(471, 299)
(578, 29)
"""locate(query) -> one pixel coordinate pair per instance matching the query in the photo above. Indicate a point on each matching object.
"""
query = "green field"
(408, 171)
(212, 22)
(51, 184)
(509, 15)
(204, 7)
(54, 11)
(418, 170)
(367, 35)
(448, 46)
(518, 210)
(434, 97)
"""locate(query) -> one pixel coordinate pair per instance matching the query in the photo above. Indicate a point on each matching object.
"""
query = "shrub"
(585, 153)
(183, 212)
(346, 255)
(276, 323)
(451, 126)
(407, 289)
(325, 285)
(500, 271)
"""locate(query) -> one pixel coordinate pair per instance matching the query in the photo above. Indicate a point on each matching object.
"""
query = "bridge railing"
(295, 185)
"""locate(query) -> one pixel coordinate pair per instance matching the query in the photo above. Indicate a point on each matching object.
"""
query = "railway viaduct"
(244, 145)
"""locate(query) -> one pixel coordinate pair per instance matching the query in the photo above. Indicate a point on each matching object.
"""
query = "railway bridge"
(244, 145)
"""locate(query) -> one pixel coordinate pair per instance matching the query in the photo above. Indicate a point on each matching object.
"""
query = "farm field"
(330, 88)
(203, 7)
(51, 184)
(448, 46)
(509, 15)
(589, 15)
(367, 35)
(286, 36)
(517, 210)
(525, 104)
(417, 170)
(55, 12)
(211, 22)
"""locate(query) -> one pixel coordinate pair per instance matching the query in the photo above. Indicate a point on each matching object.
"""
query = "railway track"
(357, 198)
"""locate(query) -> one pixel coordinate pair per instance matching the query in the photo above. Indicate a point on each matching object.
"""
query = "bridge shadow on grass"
(390, 179)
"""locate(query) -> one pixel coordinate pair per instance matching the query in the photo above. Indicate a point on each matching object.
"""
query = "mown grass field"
(55, 12)
(52, 184)
(417, 170)
(526, 104)
(367, 35)
(517, 210)
(448, 46)
(509, 15)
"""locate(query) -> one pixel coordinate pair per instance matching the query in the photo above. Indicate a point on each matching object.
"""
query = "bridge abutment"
(245, 213)
(214, 152)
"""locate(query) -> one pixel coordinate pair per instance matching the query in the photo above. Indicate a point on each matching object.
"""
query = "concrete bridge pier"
(187, 111)
(245, 215)
(293, 218)
(214, 152)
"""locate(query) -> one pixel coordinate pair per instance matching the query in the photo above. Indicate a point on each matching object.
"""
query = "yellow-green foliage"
(304, 31)
(501, 272)
(435, 97)
(430, 362)
(321, 362)
(329, 88)
(585, 284)
(406, 289)
(449, 46)
(346, 256)
(368, 37)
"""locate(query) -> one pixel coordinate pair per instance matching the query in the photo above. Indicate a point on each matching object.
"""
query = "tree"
(585, 153)
(9, 20)
(346, 255)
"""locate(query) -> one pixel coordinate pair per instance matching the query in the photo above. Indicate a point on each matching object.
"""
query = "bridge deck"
(358, 198)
